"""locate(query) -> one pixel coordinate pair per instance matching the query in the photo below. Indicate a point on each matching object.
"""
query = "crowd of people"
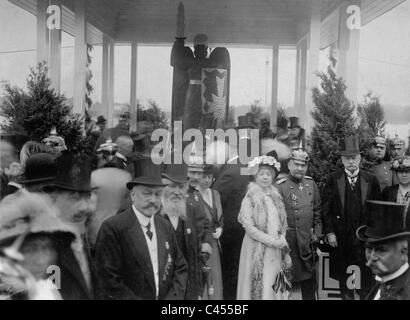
(124, 228)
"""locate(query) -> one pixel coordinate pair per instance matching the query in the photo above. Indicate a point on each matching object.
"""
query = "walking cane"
(312, 248)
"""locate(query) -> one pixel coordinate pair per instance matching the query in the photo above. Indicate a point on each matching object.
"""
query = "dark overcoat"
(303, 212)
(232, 187)
(123, 262)
(334, 216)
(194, 231)
(396, 289)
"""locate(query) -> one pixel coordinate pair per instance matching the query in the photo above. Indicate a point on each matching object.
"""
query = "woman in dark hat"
(400, 193)
(211, 201)
(264, 218)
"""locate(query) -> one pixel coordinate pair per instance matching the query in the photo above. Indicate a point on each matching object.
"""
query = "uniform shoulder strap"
(280, 181)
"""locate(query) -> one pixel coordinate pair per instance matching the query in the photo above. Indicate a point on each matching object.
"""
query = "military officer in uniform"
(302, 201)
(397, 149)
(382, 169)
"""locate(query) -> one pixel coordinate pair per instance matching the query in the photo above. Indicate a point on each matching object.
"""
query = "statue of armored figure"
(200, 91)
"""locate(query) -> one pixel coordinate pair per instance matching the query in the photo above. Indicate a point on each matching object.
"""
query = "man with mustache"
(71, 193)
(382, 169)
(386, 236)
(302, 201)
(347, 191)
(192, 228)
(137, 254)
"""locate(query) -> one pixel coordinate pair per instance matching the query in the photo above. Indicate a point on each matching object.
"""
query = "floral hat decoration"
(402, 164)
(269, 160)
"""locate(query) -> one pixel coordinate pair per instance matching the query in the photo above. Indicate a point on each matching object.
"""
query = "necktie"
(353, 182)
(149, 232)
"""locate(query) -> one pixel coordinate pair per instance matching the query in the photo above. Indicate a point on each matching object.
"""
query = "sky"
(384, 65)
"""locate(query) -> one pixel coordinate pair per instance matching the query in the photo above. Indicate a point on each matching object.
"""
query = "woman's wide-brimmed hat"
(385, 221)
(25, 213)
(269, 160)
(402, 164)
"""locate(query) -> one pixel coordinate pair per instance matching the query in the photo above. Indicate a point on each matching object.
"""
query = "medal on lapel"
(294, 199)
(167, 245)
(188, 230)
(300, 187)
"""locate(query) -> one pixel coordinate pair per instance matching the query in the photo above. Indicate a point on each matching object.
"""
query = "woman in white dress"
(263, 216)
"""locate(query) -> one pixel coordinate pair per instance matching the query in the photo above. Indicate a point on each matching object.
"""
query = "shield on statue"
(214, 96)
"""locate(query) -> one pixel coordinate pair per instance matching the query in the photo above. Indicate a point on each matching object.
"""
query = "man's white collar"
(394, 275)
(143, 220)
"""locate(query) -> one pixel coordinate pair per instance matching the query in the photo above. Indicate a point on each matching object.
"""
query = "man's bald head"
(125, 145)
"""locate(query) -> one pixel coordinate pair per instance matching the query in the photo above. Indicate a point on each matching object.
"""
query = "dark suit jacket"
(334, 202)
(231, 186)
(390, 193)
(73, 284)
(124, 266)
(396, 289)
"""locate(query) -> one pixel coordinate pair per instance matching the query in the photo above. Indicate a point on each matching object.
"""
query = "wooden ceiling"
(256, 23)
(234, 22)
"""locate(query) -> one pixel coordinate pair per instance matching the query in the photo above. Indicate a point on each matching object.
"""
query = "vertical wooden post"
(55, 51)
(133, 93)
(80, 57)
(275, 85)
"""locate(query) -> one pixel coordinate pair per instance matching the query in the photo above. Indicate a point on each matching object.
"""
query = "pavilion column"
(275, 80)
(111, 83)
(42, 31)
(313, 60)
(80, 57)
(55, 50)
(302, 82)
(105, 73)
(133, 91)
(297, 78)
(349, 41)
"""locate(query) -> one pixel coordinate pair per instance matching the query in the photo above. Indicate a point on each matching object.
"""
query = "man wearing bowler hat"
(192, 228)
(347, 191)
(386, 236)
(40, 170)
(137, 254)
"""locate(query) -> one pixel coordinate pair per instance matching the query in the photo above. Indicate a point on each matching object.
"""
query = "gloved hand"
(331, 238)
(280, 243)
(217, 234)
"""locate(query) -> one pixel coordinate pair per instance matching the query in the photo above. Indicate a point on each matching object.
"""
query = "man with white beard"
(192, 229)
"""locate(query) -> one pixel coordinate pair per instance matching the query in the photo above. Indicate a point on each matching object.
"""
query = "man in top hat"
(101, 123)
(137, 252)
(192, 228)
(303, 208)
(382, 169)
(397, 149)
(71, 192)
(400, 192)
(385, 235)
(348, 190)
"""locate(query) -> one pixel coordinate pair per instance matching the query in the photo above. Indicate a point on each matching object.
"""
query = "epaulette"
(281, 180)
(307, 177)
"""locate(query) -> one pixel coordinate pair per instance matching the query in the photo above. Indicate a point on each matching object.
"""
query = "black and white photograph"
(225, 151)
